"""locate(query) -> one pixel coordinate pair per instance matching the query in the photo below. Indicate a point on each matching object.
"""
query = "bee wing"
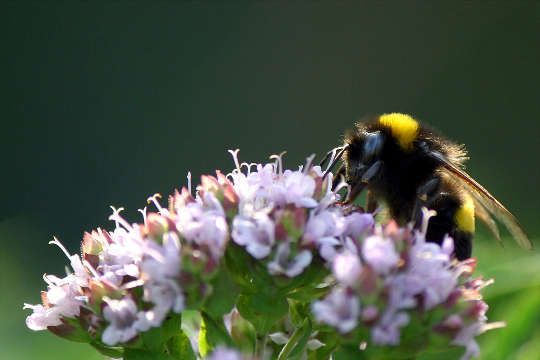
(488, 201)
(482, 214)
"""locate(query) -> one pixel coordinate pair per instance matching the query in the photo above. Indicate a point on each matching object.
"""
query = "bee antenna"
(334, 159)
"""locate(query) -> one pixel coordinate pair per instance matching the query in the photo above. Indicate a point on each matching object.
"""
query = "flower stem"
(292, 341)
(260, 345)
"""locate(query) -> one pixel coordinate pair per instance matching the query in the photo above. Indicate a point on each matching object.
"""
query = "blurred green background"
(105, 104)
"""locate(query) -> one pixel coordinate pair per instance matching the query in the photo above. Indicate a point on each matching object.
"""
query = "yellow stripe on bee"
(403, 127)
(464, 216)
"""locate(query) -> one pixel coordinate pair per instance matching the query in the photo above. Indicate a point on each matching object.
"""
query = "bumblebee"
(407, 165)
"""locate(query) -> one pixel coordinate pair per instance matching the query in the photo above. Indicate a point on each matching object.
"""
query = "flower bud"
(475, 310)
(230, 197)
(450, 325)
(97, 290)
(467, 267)
(180, 199)
(208, 184)
(193, 260)
(92, 243)
(290, 223)
(156, 225)
(367, 284)
(369, 315)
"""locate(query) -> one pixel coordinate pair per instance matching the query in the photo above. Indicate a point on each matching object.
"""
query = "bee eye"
(372, 146)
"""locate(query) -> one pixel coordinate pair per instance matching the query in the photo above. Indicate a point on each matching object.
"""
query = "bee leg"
(337, 176)
(359, 184)
(426, 194)
(371, 202)
(328, 154)
(336, 158)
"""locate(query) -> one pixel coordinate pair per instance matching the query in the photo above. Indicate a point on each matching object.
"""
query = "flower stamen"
(115, 216)
(59, 244)
(153, 199)
(234, 154)
(279, 161)
(189, 182)
(143, 213)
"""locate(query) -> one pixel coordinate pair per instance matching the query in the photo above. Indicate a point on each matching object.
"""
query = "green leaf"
(179, 347)
(298, 311)
(71, 330)
(236, 260)
(329, 339)
(212, 334)
(414, 336)
(449, 353)
(136, 354)
(243, 333)
(300, 346)
(262, 310)
(311, 276)
(112, 352)
(155, 338)
(223, 296)
(261, 279)
(349, 353)
(308, 293)
(293, 349)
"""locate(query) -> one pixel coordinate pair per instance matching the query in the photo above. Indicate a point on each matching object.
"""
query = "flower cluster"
(129, 279)
(394, 276)
(243, 239)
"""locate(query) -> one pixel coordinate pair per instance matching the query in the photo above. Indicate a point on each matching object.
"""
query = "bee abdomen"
(463, 244)
(455, 218)
(464, 216)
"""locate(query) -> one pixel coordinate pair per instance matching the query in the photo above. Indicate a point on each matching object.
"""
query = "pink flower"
(123, 321)
(42, 317)
(347, 268)
(340, 309)
(358, 224)
(283, 265)
(380, 253)
(299, 189)
(255, 232)
(387, 332)
(204, 223)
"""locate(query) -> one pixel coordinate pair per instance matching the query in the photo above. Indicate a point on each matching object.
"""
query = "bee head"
(373, 144)
(364, 148)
